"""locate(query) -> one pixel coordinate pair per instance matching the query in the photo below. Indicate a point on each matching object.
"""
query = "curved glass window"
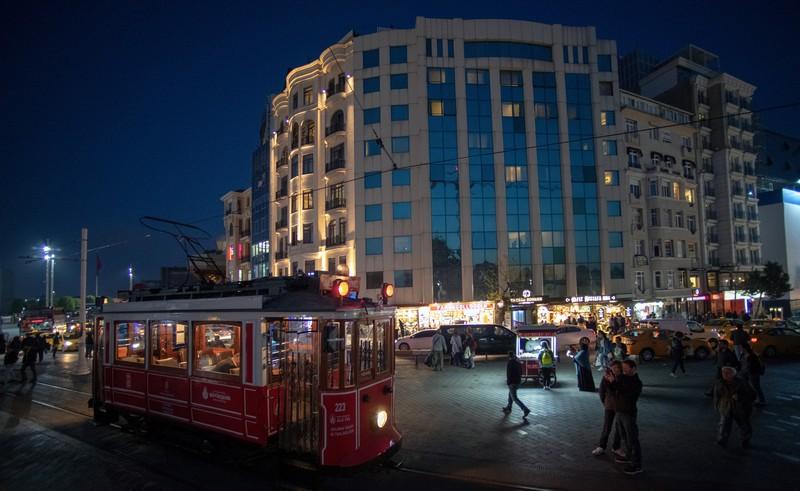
(503, 49)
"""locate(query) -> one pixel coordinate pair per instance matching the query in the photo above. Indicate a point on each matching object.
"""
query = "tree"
(771, 281)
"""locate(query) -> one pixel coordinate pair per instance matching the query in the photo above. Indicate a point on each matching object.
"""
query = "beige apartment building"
(237, 218)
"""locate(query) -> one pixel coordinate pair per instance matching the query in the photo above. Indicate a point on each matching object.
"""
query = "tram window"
(382, 331)
(130, 338)
(366, 333)
(332, 347)
(349, 371)
(168, 344)
(277, 347)
(217, 349)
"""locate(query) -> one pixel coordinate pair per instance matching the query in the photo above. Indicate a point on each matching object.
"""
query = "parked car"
(419, 340)
(654, 343)
(691, 329)
(574, 335)
(491, 338)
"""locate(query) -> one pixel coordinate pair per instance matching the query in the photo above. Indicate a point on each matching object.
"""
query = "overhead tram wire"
(567, 142)
(361, 107)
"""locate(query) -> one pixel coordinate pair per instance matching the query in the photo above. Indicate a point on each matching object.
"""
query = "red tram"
(297, 363)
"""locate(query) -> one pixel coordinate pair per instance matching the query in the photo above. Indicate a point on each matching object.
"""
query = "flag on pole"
(98, 264)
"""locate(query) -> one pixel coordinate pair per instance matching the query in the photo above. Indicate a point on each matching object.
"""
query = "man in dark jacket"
(724, 358)
(513, 380)
(29, 356)
(608, 398)
(628, 388)
(733, 399)
(739, 338)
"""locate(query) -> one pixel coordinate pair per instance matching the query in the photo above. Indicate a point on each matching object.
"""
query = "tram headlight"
(67, 343)
(381, 418)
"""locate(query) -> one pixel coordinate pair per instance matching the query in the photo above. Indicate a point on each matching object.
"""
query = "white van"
(691, 329)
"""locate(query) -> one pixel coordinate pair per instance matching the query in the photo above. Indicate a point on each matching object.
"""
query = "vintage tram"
(299, 364)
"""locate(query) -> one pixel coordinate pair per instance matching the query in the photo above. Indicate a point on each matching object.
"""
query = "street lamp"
(130, 278)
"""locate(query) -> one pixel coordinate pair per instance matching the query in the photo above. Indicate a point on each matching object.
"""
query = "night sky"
(111, 112)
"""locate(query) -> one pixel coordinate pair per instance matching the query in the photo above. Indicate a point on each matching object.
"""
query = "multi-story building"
(259, 255)
(237, 234)
(665, 219)
(780, 214)
(720, 104)
(459, 160)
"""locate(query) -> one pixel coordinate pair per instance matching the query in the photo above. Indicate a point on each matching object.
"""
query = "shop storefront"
(542, 310)
(412, 319)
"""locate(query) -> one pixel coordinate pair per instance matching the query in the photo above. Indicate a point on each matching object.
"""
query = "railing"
(282, 162)
(335, 241)
(281, 193)
(281, 255)
(334, 128)
(283, 223)
(335, 164)
(334, 203)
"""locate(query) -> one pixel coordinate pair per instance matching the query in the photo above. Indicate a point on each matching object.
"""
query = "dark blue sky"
(111, 112)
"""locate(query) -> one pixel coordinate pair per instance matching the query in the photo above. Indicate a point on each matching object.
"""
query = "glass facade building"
(466, 146)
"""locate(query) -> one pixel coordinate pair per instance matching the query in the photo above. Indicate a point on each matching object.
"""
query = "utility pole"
(83, 369)
(52, 280)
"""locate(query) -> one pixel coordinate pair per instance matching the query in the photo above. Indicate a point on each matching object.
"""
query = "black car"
(492, 339)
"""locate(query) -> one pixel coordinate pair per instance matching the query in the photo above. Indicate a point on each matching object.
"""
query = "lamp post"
(130, 278)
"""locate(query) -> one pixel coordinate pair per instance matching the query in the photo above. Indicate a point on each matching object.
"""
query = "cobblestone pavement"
(455, 437)
(452, 423)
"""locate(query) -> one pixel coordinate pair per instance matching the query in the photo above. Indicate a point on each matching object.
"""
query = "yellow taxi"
(772, 341)
(653, 343)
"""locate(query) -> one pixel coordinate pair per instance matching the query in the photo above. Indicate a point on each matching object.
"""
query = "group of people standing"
(607, 352)
(462, 351)
(33, 348)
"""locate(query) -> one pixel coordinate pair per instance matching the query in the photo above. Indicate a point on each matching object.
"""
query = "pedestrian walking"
(456, 350)
(724, 358)
(90, 344)
(603, 350)
(29, 355)
(676, 352)
(752, 370)
(513, 380)
(620, 349)
(583, 369)
(547, 363)
(628, 388)
(56, 343)
(470, 350)
(438, 349)
(733, 399)
(608, 398)
(12, 355)
(739, 338)
(40, 344)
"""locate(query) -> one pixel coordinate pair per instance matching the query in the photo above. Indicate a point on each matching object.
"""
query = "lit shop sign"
(591, 299)
(527, 300)
(697, 298)
(462, 306)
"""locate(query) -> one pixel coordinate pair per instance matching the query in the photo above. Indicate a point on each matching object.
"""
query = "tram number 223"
(339, 407)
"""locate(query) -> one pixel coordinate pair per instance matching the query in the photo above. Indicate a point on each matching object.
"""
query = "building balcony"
(281, 193)
(280, 224)
(282, 162)
(335, 241)
(335, 203)
(334, 128)
(335, 164)
(281, 255)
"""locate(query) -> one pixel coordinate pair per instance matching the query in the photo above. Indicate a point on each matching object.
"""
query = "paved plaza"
(455, 437)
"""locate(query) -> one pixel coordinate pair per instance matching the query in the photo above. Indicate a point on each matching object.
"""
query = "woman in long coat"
(583, 369)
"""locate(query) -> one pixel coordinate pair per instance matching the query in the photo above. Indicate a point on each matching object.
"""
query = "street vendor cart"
(529, 346)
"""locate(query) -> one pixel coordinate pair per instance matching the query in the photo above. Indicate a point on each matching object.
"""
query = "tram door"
(299, 360)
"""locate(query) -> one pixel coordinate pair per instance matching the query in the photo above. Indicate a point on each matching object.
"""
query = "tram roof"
(280, 294)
